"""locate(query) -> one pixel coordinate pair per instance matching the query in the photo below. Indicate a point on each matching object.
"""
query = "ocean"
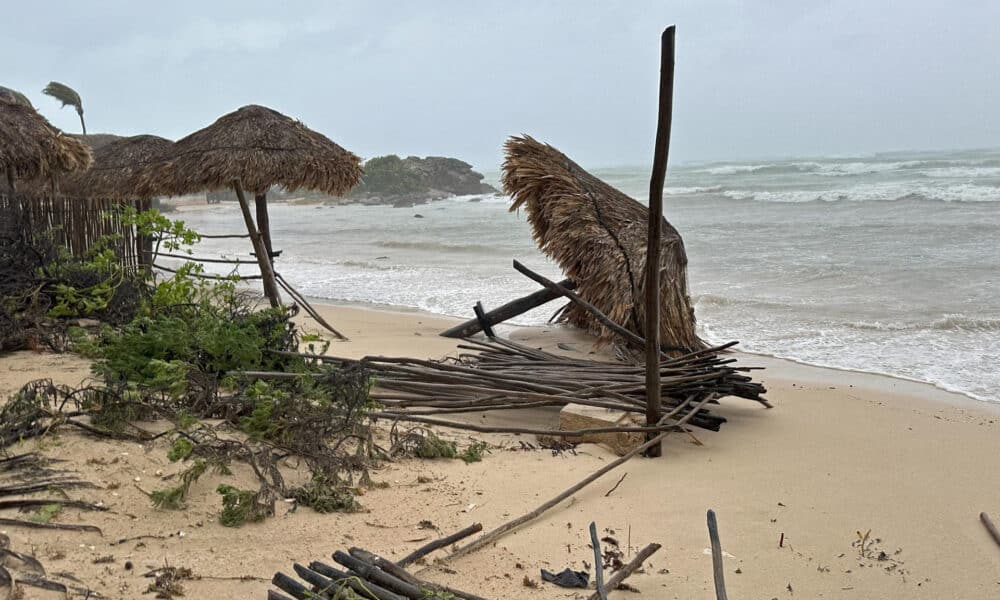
(886, 263)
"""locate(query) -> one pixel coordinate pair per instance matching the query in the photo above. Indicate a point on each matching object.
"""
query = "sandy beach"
(841, 452)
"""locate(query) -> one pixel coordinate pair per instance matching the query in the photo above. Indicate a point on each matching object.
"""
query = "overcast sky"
(754, 79)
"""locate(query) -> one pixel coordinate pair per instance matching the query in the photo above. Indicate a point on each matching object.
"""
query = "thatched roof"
(32, 147)
(96, 141)
(261, 148)
(117, 164)
(598, 235)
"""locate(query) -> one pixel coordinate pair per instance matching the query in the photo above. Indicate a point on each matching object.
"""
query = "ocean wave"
(965, 192)
(435, 246)
(763, 169)
(954, 322)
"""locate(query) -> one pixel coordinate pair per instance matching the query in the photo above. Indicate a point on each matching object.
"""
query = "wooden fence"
(75, 223)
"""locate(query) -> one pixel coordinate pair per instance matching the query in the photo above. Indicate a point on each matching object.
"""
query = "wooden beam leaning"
(508, 311)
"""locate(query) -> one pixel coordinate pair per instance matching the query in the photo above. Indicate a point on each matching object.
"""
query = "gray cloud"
(753, 78)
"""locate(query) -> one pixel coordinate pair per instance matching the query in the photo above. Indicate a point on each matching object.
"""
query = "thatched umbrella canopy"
(260, 148)
(254, 148)
(30, 147)
(118, 162)
(598, 236)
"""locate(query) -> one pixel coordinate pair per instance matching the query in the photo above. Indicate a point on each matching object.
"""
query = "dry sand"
(840, 452)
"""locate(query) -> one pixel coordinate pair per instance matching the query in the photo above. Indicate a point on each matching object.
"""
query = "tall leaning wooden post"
(660, 153)
(263, 258)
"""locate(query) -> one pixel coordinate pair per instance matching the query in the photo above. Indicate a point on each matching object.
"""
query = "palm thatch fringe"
(31, 147)
(117, 164)
(598, 237)
(260, 148)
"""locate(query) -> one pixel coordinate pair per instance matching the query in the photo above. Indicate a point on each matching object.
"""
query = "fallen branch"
(990, 527)
(502, 530)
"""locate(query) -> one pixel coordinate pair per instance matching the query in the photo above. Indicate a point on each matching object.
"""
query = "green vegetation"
(46, 513)
(174, 498)
(241, 506)
(388, 175)
(178, 348)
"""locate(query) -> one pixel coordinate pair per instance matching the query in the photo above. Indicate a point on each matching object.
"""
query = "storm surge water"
(886, 263)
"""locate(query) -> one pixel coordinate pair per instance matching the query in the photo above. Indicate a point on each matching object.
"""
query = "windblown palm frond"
(9, 95)
(68, 97)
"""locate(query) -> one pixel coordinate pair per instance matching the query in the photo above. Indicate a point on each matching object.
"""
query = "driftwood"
(513, 524)
(507, 311)
(990, 527)
(627, 570)
(595, 543)
(717, 569)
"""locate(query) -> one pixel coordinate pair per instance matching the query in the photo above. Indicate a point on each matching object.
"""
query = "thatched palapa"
(30, 147)
(260, 148)
(118, 161)
(598, 236)
(254, 148)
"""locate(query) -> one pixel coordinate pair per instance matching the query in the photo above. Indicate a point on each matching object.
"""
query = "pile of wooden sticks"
(499, 374)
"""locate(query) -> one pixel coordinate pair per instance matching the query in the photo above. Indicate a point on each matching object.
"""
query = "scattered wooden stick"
(598, 562)
(628, 569)
(713, 535)
(440, 543)
(616, 485)
(502, 530)
(60, 526)
(990, 527)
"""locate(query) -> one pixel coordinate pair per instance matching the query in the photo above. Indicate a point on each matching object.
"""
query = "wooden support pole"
(264, 222)
(266, 271)
(660, 154)
(717, 572)
(508, 311)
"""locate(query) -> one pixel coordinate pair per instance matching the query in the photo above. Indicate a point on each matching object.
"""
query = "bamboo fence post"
(266, 271)
(660, 154)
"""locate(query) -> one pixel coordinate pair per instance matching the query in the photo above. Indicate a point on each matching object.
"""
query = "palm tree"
(14, 96)
(68, 97)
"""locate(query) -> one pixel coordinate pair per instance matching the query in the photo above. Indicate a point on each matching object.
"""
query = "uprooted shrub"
(183, 355)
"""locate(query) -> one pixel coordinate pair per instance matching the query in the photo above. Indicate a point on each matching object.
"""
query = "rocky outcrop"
(414, 180)
(448, 175)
